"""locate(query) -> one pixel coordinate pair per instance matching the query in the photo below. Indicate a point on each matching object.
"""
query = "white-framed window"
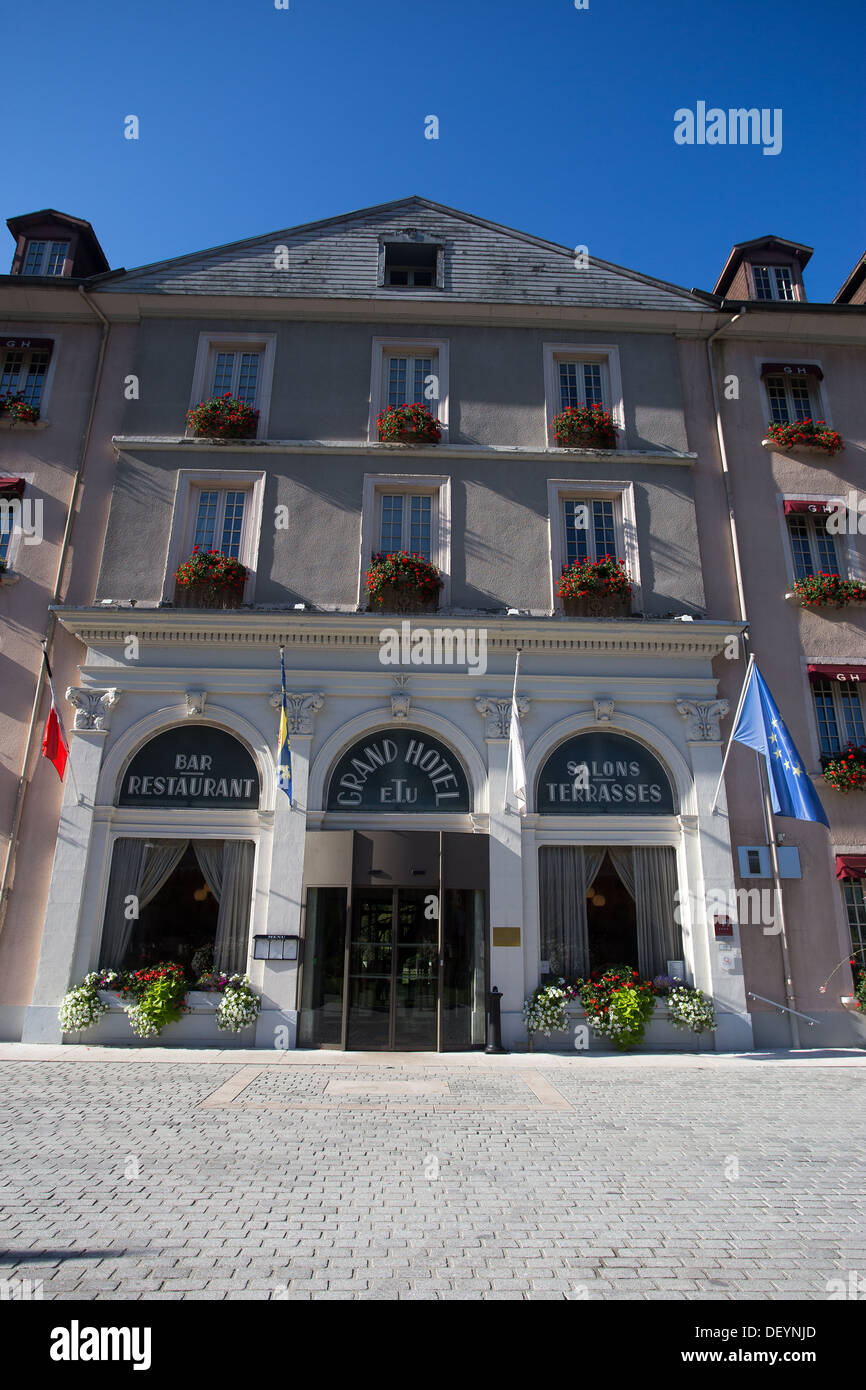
(216, 509)
(240, 363)
(814, 549)
(409, 372)
(45, 257)
(839, 714)
(411, 512)
(773, 282)
(588, 521)
(854, 894)
(791, 398)
(20, 519)
(579, 374)
(24, 372)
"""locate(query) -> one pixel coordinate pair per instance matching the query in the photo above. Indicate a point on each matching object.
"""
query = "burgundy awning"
(791, 369)
(822, 507)
(849, 672)
(850, 866)
(27, 344)
(13, 485)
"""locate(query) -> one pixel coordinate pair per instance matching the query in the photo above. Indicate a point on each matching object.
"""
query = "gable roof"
(851, 285)
(338, 258)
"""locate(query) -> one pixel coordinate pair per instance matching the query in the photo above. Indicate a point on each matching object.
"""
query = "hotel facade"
(377, 908)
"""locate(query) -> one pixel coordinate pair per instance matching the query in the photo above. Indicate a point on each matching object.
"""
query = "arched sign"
(398, 770)
(603, 774)
(192, 765)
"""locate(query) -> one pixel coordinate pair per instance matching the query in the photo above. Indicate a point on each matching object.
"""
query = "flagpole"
(731, 734)
(510, 717)
(770, 830)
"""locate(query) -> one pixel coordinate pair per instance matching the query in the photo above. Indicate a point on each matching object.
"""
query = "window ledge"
(23, 424)
(811, 450)
(8, 577)
(377, 449)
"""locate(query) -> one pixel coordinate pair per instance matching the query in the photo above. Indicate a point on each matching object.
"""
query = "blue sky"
(553, 120)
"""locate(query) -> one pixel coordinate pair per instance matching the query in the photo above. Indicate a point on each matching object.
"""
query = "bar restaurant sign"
(402, 770)
(193, 766)
(602, 774)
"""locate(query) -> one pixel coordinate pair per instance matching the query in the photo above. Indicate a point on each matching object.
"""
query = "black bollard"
(494, 1029)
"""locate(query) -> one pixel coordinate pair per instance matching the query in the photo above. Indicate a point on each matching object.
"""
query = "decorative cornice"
(703, 717)
(92, 708)
(302, 709)
(335, 631)
(497, 713)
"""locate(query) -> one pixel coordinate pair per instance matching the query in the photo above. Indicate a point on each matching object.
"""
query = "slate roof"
(338, 258)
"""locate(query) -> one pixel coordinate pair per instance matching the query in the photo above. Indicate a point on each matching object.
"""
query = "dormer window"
(45, 257)
(411, 265)
(773, 282)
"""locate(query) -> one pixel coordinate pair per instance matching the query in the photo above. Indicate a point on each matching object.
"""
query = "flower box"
(208, 596)
(408, 424)
(821, 590)
(846, 771)
(584, 427)
(597, 605)
(595, 589)
(401, 582)
(405, 598)
(19, 411)
(804, 436)
(223, 417)
(209, 579)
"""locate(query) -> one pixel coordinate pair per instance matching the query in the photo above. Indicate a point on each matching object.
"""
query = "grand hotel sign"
(603, 774)
(401, 770)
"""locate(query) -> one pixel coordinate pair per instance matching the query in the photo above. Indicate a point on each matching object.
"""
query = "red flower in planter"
(415, 420)
(587, 426)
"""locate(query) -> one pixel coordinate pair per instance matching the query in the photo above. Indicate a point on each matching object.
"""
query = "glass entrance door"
(393, 970)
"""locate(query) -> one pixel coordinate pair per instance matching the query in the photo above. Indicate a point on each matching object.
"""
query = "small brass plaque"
(506, 936)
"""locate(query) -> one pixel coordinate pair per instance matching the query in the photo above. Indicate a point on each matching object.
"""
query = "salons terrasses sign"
(192, 766)
(403, 770)
(598, 774)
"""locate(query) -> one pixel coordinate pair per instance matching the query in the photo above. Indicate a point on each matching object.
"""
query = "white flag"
(518, 753)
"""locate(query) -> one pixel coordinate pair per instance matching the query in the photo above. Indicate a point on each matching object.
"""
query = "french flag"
(55, 746)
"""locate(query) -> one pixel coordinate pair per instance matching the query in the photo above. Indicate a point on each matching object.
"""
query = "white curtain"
(209, 854)
(139, 868)
(232, 934)
(659, 935)
(566, 872)
(126, 865)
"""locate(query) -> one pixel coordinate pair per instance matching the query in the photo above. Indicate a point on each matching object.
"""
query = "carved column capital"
(301, 709)
(703, 717)
(92, 708)
(497, 714)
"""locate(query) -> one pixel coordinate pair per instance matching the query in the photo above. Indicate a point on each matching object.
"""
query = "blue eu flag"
(284, 743)
(761, 726)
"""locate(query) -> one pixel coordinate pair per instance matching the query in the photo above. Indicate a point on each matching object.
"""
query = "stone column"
(60, 934)
(718, 968)
(506, 869)
(278, 1021)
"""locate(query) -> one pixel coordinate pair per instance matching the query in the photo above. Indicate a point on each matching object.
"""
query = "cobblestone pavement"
(142, 1179)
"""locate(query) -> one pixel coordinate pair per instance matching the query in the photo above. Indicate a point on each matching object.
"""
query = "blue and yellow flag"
(284, 745)
(761, 726)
